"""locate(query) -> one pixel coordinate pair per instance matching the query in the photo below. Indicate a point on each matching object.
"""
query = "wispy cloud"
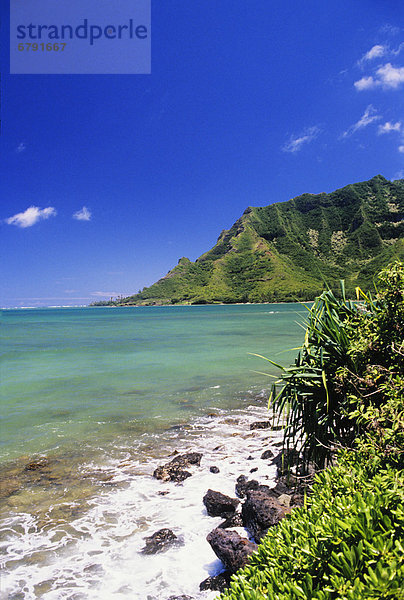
(401, 149)
(389, 29)
(104, 294)
(374, 52)
(84, 214)
(369, 116)
(398, 50)
(388, 127)
(21, 147)
(295, 142)
(32, 215)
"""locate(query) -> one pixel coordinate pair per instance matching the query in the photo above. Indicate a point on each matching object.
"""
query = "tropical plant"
(309, 395)
(347, 542)
(349, 354)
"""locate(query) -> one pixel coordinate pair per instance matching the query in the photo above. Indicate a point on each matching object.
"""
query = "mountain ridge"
(291, 250)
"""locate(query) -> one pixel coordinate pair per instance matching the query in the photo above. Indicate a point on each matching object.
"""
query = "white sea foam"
(96, 556)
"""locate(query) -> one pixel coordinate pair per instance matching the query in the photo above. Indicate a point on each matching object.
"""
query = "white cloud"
(374, 52)
(295, 143)
(388, 127)
(369, 116)
(21, 147)
(83, 214)
(365, 83)
(104, 294)
(390, 77)
(32, 215)
(387, 76)
(401, 149)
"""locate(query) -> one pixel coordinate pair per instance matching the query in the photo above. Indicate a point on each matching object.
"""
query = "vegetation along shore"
(328, 523)
(345, 424)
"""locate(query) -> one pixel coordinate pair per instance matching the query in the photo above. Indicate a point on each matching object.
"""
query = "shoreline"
(190, 305)
(227, 443)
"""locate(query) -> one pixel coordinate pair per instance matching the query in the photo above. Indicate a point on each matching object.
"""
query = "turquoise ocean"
(92, 399)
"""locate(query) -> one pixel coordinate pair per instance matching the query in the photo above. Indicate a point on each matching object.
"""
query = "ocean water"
(92, 400)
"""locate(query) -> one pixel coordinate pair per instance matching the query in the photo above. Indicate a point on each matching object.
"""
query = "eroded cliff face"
(288, 251)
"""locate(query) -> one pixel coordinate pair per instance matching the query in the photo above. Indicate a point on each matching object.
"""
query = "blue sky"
(107, 180)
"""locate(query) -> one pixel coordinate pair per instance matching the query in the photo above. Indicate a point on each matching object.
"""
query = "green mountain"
(291, 250)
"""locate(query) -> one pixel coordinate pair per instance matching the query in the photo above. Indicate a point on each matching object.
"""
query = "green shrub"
(347, 543)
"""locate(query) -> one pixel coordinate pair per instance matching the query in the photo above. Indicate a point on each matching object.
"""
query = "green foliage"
(382, 424)
(378, 332)
(347, 542)
(350, 355)
(285, 251)
(310, 398)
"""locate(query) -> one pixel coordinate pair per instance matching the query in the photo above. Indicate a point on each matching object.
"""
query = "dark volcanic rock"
(282, 488)
(233, 550)
(267, 454)
(235, 520)
(180, 597)
(175, 469)
(254, 470)
(261, 425)
(171, 473)
(297, 500)
(159, 541)
(219, 505)
(260, 512)
(265, 489)
(285, 460)
(217, 583)
(186, 460)
(243, 486)
(214, 470)
(37, 465)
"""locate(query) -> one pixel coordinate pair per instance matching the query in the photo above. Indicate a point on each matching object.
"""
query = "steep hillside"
(289, 250)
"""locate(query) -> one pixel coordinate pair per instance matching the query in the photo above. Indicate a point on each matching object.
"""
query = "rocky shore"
(247, 516)
(172, 522)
